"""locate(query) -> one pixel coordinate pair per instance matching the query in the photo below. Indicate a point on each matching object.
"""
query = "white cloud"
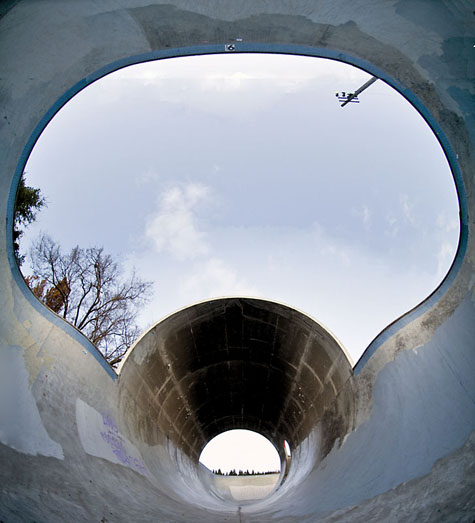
(447, 241)
(232, 85)
(393, 226)
(337, 254)
(147, 176)
(260, 66)
(364, 213)
(407, 209)
(174, 227)
(215, 278)
(447, 225)
(226, 82)
(445, 258)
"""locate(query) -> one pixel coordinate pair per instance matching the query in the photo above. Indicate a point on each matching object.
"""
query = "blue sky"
(240, 174)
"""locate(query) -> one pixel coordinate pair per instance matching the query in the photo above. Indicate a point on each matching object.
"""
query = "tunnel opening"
(246, 465)
(241, 452)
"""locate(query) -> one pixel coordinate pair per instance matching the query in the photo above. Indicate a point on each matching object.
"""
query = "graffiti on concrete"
(100, 436)
(112, 437)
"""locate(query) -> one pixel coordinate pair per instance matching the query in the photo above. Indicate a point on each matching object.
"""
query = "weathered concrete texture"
(390, 441)
(232, 363)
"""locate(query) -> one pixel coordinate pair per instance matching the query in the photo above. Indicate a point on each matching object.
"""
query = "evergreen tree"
(28, 202)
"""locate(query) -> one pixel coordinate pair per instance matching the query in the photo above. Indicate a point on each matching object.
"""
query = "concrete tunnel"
(234, 362)
(390, 439)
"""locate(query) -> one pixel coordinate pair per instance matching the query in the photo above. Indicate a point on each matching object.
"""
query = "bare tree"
(85, 287)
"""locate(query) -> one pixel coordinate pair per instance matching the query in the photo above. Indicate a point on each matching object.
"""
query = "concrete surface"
(390, 440)
(246, 488)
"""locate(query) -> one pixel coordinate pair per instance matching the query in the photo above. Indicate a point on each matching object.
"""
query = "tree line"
(85, 286)
(235, 472)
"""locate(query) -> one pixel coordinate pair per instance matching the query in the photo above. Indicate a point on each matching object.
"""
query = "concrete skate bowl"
(393, 442)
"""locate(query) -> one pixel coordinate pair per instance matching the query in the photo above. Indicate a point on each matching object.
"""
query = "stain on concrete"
(21, 426)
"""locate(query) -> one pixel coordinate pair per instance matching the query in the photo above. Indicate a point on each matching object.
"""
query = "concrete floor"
(246, 488)
(390, 440)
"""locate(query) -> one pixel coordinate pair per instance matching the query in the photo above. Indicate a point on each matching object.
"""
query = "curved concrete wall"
(230, 363)
(69, 447)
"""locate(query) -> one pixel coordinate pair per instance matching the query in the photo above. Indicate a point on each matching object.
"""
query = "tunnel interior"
(233, 363)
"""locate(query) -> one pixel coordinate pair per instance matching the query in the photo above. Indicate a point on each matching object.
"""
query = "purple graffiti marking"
(115, 441)
(109, 422)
